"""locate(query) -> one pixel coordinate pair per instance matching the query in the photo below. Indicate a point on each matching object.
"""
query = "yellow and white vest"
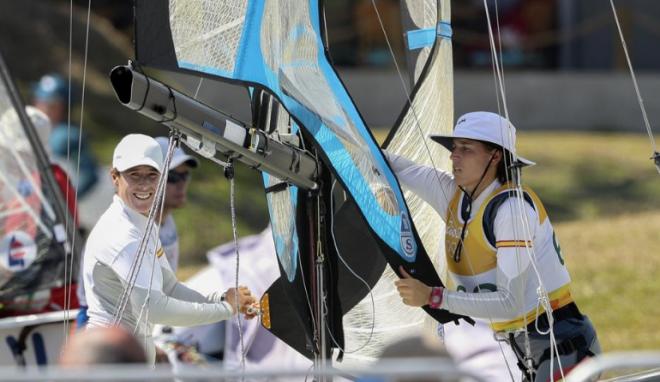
(476, 270)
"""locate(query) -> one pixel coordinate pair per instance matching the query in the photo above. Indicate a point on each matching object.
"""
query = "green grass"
(614, 266)
(581, 176)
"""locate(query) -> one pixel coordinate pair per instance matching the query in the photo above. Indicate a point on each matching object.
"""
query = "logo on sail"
(17, 251)
(407, 240)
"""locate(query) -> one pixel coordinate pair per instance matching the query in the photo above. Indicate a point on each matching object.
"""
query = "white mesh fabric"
(207, 32)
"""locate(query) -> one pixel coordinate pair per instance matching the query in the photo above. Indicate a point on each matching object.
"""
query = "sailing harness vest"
(474, 272)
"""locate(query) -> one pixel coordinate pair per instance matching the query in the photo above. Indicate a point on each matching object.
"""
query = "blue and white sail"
(277, 47)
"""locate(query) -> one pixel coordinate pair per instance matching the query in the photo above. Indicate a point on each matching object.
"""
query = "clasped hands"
(247, 303)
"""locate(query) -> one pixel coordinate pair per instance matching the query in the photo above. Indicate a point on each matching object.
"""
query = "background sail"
(430, 111)
(32, 232)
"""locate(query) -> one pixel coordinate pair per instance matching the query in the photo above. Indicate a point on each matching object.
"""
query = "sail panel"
(280, 49)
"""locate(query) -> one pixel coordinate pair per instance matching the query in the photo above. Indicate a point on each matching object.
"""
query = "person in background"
(111, 345)
(178, 179)
(51, 96)
(113, 258)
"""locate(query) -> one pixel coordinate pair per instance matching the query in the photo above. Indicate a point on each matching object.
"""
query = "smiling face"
(469, 160)
(136, 187)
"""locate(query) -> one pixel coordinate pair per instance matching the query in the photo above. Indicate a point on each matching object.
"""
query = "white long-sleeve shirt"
(501, 289)
(109, 254)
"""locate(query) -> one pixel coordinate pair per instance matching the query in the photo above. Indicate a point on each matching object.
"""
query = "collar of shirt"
(135, 217)
(476, 204)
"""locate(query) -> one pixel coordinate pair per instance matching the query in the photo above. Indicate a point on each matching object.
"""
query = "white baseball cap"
(137, 150)
(483, 126)
(179, 157)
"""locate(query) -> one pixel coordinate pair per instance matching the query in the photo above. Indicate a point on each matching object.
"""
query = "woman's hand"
(247, 304)
(412, 291)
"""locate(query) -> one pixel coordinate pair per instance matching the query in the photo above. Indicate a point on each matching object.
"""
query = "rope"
(67, 291)
(159, 201)
(142, 248)
(519, 199)
(232, 198)
(362, 280)
(640, 101)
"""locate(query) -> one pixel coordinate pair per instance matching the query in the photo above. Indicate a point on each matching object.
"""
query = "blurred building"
(535, 34)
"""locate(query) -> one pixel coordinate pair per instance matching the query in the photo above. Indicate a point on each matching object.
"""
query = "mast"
(265, 111)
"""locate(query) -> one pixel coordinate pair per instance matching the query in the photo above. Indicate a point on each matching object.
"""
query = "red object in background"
(56, 302)
(66, 187)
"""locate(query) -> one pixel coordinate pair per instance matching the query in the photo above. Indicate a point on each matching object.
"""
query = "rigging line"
(142, 248)
(430, 157)
(524, 216)
(199, 86)
(234, 230)
(302, 278)
(510, 133)
(25, 205)
(80, 130)
(647, 124)
(67, 302)
(507, 161)
(159, 200)
(371, 294)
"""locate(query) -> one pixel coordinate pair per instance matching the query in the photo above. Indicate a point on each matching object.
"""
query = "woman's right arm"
(436, 187)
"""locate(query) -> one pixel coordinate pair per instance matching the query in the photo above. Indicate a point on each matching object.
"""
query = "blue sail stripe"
(423, 38)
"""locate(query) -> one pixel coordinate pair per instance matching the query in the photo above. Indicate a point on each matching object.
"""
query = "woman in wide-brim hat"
(496, 240)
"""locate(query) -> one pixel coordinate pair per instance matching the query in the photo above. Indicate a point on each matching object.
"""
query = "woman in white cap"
(113, 244)
(495, 244)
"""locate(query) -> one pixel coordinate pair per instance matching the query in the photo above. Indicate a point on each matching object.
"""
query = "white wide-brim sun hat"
(483, 126)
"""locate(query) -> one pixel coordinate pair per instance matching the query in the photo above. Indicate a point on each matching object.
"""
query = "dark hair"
(505, 168)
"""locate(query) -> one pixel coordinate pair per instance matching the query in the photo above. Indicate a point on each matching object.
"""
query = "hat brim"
(448, 140)
(184, 159)
(121, 167)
